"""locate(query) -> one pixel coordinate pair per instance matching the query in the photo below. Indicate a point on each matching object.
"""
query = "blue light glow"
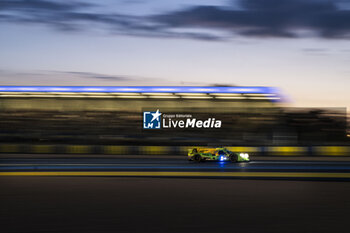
(140, 89)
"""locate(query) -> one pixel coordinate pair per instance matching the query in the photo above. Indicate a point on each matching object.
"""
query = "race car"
(198, 154)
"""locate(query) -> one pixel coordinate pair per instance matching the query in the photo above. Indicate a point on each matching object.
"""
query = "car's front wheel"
(197, 158)
(233, 158)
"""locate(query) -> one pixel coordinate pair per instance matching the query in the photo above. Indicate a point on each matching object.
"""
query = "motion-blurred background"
(301, 47)
(117, 119)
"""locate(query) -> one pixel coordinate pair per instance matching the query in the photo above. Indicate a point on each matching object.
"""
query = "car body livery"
(198, 154)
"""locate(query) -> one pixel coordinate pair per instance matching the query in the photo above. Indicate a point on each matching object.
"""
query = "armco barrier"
(10, 148)
(287, 151)
(172, 150)
(42, 149)
(331, 150)
(116, 150)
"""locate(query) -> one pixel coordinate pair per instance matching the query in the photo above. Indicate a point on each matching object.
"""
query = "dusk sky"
(301, 46)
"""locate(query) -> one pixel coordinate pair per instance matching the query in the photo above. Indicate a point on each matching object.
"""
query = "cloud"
(72, 78)
(74, 17)
(267, 18)
(78, 78)
(97, 76)
(40, 5)
(61, 15)
(317, 51)
(247, 18)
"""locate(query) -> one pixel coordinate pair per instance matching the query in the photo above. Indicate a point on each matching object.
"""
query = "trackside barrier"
(287, 151)
(155, 150)
(172, 150)
(115, 150)
(332, 150)
(10, 148)
(79, 149)
(42, 149)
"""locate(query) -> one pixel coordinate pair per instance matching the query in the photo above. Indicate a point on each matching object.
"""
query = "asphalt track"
(87, 202)
(173, 166)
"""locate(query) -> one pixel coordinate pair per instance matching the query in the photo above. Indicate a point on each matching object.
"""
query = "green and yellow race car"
(198, 154)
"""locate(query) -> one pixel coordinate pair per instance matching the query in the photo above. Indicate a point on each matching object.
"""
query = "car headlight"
(244, 155)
